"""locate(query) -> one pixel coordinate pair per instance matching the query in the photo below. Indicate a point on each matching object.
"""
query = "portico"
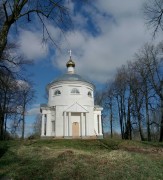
(75, 121)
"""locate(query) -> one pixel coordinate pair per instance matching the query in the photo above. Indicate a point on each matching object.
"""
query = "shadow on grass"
(3, 149)
(154, 144)
(86, 145)
(109, 144)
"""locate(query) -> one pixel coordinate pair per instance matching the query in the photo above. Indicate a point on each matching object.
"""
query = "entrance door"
(75, 129)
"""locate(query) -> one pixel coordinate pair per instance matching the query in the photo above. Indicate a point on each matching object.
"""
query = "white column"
(48, 124)
(85, 124)
(69, 123)
(81, 119)
(64, 123)
(100, 127)
(42, 127)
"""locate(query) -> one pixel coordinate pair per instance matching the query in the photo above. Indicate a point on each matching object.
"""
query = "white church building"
(70, 111)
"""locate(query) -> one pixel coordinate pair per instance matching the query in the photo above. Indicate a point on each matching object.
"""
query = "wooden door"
(75, 129)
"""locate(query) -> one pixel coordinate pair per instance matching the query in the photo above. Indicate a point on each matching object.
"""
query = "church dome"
(70, 63)
(70, 76)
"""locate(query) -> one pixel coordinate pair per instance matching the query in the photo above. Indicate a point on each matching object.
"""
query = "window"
(57, 92)
(89, 94)
(75, 91)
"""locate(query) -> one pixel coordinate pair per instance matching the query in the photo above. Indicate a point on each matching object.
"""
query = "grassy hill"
(80, 159)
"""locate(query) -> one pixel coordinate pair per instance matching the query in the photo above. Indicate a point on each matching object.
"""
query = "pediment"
(76, 108)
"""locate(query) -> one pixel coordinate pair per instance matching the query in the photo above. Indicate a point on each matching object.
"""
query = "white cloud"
(118, 40)
(34, 110)
(121, 32)
(119, 8)
(31, 45)
(22, 84)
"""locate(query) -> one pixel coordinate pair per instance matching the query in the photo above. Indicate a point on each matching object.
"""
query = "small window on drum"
(57, 92)
(75, 91)
(89, 94)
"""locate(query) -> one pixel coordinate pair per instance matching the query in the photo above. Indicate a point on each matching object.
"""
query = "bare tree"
(37, 125)
(161, 124)
(11, 69)
(109, 103)
(18, 12)
(14, 11)
(153, 10)
(138, 91)
(120, 86)
(137, 99)
(9, 101)
(129, 100)
(149, 95)
(26, 97)
(5, 93)
(152, 61)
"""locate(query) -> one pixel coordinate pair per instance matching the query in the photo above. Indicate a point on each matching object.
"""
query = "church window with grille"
(89, 94)
(57, 92)
(75, 91)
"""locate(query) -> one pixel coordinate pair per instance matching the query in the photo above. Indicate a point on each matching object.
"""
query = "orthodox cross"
(70, 53)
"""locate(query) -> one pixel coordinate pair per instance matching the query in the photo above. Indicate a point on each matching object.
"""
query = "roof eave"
(54, 82)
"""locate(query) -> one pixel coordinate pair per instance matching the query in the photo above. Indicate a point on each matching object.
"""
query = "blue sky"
(105, 35)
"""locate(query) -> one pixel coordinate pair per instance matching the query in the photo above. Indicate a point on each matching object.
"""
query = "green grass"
(81, 159)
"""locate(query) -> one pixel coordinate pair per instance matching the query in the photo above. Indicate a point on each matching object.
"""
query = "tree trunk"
(1, 126)
(128, 132)
(111, 121)
(138, 107)
(3, 36)
(140, 128)
(147, 116)
(5, 125)
(10, 19)
(161, 126)
(2, 115)
(148, 124)
(23, 120)
(120, 117)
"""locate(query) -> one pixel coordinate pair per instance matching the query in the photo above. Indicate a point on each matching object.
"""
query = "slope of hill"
(81, 159)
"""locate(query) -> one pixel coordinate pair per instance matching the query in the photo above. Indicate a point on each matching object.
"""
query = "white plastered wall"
(46, 112)
(59, 121)
(65, 100)
(96, 114)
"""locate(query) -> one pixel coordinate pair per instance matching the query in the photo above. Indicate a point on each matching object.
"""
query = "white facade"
(70, 112)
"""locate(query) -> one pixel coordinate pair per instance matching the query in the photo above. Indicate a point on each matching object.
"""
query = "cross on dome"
(70, 53)
(70, 64)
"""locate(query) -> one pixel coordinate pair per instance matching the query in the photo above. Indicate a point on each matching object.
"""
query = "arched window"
(89, 94)
(75, 91)
(57, 92)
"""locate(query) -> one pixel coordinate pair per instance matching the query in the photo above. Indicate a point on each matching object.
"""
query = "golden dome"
(70, 63)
